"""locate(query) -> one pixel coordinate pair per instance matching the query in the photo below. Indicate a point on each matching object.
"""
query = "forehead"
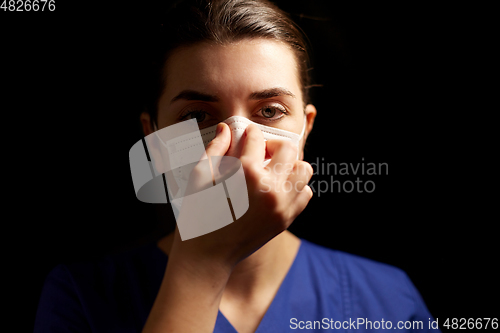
(232, 69)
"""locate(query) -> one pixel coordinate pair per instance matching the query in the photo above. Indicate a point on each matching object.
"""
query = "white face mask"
(238, 124)
(184, 150)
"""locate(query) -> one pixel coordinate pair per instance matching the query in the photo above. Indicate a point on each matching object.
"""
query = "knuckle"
(282, 143)
(246, 161)
(255, 169)
(309, 169)
(303, 169)
(293, 146)
(309, 191)
(213, 143)
(286, 144)
(253, 132)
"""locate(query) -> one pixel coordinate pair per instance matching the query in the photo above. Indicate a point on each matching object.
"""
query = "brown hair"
(224, 21)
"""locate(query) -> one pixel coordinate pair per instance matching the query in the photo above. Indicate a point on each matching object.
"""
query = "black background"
(398, 87)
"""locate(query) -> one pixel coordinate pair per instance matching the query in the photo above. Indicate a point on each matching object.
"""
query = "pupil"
(200, 116)
(269, 113)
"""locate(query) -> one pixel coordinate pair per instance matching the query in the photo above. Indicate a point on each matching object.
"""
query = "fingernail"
(219, 129)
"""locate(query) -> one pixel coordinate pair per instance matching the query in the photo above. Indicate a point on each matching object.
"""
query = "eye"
(197, 114)
(273, 112)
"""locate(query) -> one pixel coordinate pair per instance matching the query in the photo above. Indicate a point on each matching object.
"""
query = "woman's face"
(257, 79)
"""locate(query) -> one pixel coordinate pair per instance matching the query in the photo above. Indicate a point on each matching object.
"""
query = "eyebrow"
(192, 95)
(269, 93)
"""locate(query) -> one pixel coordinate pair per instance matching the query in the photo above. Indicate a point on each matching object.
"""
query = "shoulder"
(122, 286)
(110, 266)
(367, 286)
(107, 272)
(352, 265)
(358, 287)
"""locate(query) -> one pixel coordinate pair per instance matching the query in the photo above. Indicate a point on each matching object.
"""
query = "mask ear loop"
(156, 133)
(303, 128)
(303, 131)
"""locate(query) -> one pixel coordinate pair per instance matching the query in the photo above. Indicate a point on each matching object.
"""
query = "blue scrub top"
(324, 291)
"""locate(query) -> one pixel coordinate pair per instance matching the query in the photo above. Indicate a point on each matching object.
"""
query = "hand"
(277, 193)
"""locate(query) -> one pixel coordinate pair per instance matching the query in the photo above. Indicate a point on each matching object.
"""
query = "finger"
(272, 146)
(220, 144)
(283, 155)
(301, 175)
(254, 146)
(217, 147)
(302, 199)
(299, 203)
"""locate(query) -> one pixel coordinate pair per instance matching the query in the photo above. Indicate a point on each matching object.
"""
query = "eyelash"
(193, 112)
(280, 109)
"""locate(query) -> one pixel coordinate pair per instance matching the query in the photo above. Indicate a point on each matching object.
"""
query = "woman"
(222, 59)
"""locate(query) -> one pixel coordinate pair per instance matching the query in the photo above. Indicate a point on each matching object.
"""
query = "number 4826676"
(28, 5)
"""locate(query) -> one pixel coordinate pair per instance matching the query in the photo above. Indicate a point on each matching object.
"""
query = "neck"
(260, 273)
(265, 269)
